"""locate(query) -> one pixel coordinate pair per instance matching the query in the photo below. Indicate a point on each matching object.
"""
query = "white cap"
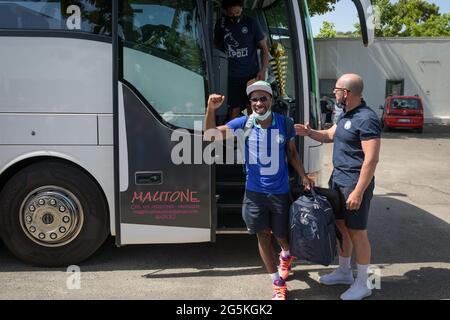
(259, 86)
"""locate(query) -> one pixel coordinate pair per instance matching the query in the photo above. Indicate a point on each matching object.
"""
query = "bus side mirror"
(381, 107)
(220, 76)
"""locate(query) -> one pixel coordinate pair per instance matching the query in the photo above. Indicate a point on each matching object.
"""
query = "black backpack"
(312, 229)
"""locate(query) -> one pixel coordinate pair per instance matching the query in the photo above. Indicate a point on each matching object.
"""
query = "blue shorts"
(354, 219)
(262, 211)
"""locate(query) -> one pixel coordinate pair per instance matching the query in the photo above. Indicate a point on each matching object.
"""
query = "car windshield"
(405, 104)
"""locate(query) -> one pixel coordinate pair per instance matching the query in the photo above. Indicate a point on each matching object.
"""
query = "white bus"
(90, 94)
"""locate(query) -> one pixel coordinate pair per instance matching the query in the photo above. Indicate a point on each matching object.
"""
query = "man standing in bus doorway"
(266, 201)
(356, 150)
(239, 36)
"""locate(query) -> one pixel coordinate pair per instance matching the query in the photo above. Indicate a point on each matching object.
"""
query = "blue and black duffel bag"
(312, 229)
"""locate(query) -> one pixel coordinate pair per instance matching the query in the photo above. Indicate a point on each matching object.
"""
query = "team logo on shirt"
(348, 125)
(232, 47)
(279, 138)
(244, 30)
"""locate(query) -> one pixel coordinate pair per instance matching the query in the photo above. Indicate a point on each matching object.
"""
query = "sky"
(344, 17)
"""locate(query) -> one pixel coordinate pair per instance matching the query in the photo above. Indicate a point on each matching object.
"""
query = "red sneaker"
(285, 266)
(279, 288)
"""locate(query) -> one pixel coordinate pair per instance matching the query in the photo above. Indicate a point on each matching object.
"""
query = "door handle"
(148, 177)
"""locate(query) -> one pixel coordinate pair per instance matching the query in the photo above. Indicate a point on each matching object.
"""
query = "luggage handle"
(312, 194)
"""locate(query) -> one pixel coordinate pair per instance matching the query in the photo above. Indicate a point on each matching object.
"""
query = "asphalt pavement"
(409, 228)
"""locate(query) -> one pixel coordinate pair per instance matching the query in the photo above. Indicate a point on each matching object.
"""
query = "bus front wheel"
(52, 214)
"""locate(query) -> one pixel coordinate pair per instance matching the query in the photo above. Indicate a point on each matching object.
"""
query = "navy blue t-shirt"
(239, 41)
(267, 172)
(357, 125)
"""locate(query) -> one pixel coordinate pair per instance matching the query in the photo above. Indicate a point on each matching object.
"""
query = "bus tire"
(53, 214)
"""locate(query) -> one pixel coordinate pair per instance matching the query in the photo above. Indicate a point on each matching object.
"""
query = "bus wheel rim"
(51, 216)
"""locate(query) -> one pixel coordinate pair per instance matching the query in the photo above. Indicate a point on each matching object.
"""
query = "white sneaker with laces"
(338, 276)
(357, 291)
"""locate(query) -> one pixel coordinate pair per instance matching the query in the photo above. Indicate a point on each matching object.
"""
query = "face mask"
(264, 116)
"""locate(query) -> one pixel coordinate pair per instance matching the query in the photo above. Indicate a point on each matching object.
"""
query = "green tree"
(405, 18)
(327, 30)
(351, 34)
(321, 6)
(411, 18)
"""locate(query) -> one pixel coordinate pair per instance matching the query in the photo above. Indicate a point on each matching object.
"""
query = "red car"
(403, 112)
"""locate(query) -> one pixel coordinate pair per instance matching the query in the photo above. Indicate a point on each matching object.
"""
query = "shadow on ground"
(426, 283)
(400, 233)
(430, 131)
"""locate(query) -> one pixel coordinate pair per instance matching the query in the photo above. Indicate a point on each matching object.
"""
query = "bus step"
(230, 218)
(227, 230)
(230, 183)
(231, 195)
(229, 205)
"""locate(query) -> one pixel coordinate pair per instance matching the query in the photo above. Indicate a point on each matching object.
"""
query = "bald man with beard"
(356, 138)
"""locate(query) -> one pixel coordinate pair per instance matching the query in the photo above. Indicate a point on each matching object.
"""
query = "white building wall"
(423, 63)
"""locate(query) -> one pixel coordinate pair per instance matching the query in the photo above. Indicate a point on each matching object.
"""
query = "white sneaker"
(357, 291)
(338, 276)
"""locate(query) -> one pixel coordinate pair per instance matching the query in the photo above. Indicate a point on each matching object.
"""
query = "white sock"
(344, 263)
(362, 274)
(285, 254)
(275, 276)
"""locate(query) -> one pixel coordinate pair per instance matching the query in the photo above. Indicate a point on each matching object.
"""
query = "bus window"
(30, 15)
(82, 15)
(163, 58)
(282, 63)
(95, 15)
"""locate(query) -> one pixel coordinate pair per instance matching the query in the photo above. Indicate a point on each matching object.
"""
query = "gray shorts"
(262, 211)
(354, 219)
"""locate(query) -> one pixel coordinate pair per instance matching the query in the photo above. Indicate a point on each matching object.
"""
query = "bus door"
(166, 189)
